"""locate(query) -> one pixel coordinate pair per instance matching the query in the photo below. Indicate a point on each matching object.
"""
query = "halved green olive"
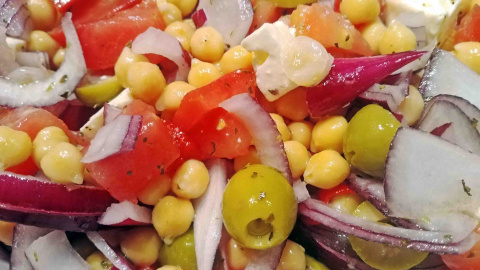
(259, 207)
(180, 253)
(95, 95)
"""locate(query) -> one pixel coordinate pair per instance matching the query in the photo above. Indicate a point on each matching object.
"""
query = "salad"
(237, 134)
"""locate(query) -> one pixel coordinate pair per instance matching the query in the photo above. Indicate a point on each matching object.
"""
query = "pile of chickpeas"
(314, 147)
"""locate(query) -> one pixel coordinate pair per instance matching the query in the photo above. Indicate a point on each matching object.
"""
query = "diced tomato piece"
(329, 28)
(95, 10)
(326, 195)
(188, 147)
(101, 40)
(264, 12)
(198, 102)
(76, 114)
(31, 120)
(221, 135)
(125, 175)
(469, 29)
(27, 167)
(64, 5)
(467, 261)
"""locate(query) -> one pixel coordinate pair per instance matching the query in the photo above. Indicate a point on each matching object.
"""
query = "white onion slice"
(208, 221)
(23, 237)
(26, 75)
(116, 137)
(110, 112)
(33, 59)
(232, 18)
(158, 42)
(7, 55)
(300, 189)
(53, 251)
(126, 213)
(112, 255)
(261, 126)
(58, 86)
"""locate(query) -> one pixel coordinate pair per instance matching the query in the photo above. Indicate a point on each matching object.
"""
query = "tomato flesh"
(313, 21)
(264, 12)
(126, 174)
(467, 261)
(94, 10)
(326, 195)
(27, 167)
(469, 29)
(201, 100)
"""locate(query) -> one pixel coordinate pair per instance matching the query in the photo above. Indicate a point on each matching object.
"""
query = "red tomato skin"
(221, 135)
(264, 12)
(31, 120)
(125, 175)
(27, 167)
(198, 102)
(100, 40)
(467, 261)
(188, 147)
(469, 29)
(95, 10)
(64, 5)
(326, 195)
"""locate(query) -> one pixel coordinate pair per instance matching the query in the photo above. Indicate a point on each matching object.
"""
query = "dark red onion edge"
(199, 18)
(438, 131)
(130, 140)
(117, 259)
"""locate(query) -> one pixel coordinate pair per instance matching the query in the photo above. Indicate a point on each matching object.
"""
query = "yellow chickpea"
(281, 126)
(251, 157)
(235, 58)
(182, 31)
(293, 257)
(15, 147)
(170, 12)
(62, 164)
(298, 156)
(191, 179)
(98, 261)
(237, 255)
(42, 41)
(146, 81)
(46, 140)
(169, 267)
(59, 57)
(155, 190)
(326, 169)
(372, 33)
(412, 106)
(141, 246)
(360, 11)
(185, 6)
(126, 58)
(172, 217)
(346, 203)
(207, 44)
(328, 133)
(397, 38)
(301, 132)
(202, 73)
(172, 95)
(43, 14)
(293, 105)
(469, 54)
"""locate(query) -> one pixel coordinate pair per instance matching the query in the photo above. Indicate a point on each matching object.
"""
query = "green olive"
(259, 207)
(368, 139)
(180, 253)
(291, 3)
(95, 95)
(313, 264)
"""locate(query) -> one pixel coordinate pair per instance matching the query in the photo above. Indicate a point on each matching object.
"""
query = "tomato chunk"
(329, 28)
(125, 175)
(326, 195)
(469, 29)
(264, 12)
(95, 10)
(101, 41)
(198, 102)
(221, 135)
(27, 167)
(466, 261)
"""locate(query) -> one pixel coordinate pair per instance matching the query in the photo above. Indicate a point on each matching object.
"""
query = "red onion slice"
(53, 251)
(126, 214)
(208, 221)
(118, 136)
(7, 55)
(28, 200)
(261, 126)
(15, 16)
(464, 133)
(110, 112)
(232, 18)
(23, 237)
(158, 42)
(349, 77)
(58, 86)
(443, 242)
(199, 18)
(112, 255)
